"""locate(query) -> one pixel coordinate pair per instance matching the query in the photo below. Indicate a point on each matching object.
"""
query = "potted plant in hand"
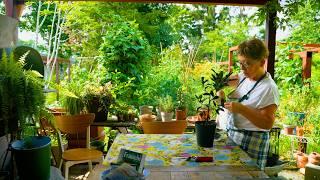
(205, 130)
(22, 101)
(166, 107)
(181, 110)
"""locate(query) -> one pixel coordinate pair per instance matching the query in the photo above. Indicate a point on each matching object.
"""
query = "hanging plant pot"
(288, 129)
(32, 157)
(205, 131)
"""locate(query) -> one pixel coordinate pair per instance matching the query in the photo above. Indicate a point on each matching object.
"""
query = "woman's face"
(251, 68)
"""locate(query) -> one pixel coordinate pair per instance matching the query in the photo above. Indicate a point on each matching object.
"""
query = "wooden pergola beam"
(215, 2)
(271, 30)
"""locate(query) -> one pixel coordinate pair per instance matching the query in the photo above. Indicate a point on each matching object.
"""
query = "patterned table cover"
(165, 150)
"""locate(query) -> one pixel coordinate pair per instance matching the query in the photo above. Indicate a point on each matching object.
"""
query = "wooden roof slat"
(215, 2)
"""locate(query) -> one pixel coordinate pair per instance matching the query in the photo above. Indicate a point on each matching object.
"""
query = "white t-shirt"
(264, 94)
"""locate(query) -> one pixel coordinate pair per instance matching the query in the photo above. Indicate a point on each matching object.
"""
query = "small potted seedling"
(166, 107)
(289, 125)
(181, 110)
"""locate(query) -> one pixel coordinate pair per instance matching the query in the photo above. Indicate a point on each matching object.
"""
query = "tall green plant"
(21, 94)
(210, 88)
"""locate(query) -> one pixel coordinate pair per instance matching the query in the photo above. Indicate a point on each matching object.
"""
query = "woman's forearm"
(262, 118)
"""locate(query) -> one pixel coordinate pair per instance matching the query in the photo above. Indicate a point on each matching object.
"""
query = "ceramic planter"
(205, 131)
(288, 129)
(314, 158)
(181, 114)
(166, 116)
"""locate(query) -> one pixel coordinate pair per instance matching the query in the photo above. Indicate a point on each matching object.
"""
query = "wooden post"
(271, 41)
(306, 57)
(230, 56)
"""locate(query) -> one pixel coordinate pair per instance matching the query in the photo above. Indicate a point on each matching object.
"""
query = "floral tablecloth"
(167, 150)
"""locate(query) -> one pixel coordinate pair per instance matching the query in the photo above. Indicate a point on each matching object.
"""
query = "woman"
(252, 114)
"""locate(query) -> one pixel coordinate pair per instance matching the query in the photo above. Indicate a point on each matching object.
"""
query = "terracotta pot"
(299, 130)
(288, 129)
(302, 160)
(314, 158)
(181, 114)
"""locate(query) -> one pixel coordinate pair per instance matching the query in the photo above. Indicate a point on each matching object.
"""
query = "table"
(120, 126)
(162, 149)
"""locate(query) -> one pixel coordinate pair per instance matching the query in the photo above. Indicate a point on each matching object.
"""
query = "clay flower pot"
(314, 158)
(302, 160)
(299, 130)
(288, 129)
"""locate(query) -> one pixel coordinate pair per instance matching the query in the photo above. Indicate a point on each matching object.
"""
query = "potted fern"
(166, 108)
(205, 130)
(22, 101)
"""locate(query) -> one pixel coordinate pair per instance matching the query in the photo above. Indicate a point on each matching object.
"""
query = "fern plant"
(21, 95)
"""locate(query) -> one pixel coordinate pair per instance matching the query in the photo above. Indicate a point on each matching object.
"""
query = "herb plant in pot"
(166, 107)
(22, 101)
(299, 118)
(289, 125)
(181, 110)
(205, 130)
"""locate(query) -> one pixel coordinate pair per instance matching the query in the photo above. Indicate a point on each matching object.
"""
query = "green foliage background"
(150, 51)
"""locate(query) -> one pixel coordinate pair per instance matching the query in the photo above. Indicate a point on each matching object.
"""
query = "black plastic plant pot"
(205, 131)
(101, 113)
(33, 157)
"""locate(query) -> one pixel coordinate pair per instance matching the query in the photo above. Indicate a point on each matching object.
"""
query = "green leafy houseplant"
(98, 100)
(72, 98)
(211, 86)
(22, 103)
(205, 130)
(21, 95)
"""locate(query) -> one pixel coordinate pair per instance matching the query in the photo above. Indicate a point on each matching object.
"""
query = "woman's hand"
(233, 107)
(221, 94)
